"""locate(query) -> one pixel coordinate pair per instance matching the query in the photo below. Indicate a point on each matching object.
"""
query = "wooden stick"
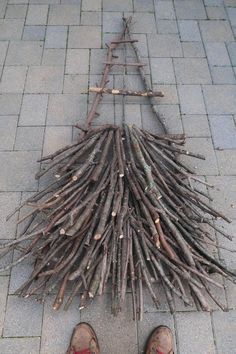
(126, 92)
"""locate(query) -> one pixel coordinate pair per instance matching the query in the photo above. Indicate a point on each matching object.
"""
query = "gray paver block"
(223, 75)
(94, 80)
(8, 202)
(19, 170)
(232, 52)
(216, 13)
(11, 29)
(29, 138)
(10, 103)
(44, 79)
(139, 5)
(193, 50)
(97, 58)
(99, 316)
(202, 146)
(216, 31)
(189, 31)
(167, 26)
(55, 138)
(90, 18)
(24, 53)
(66, 109)
(34, 33)
(56, 37)
(192, 71)
(64, 15)
(13, 79)
(33, 110)
(143, 22)
(149, 323)
(217, 53)
(225, 326)
(190, 9)
(20, 345)
(196, 125)
(77, 61)
(16, 11)
(106, 112)
(170, 94)
(162, 71)
(8, 125)
(4, 281)
(91, 5)
(227, 257)
(112, 22)
(37, 15)
(84, 37)
(121, 5)
(195, 333)
(220, 99)
(227, 162)
(231, 294)
(232, 15)
(133, 114)
(23, 317)
(191, 99)
(164, 10)
(54, 57)
(60, 325)
(3, 51)
(20, 274)
(164, 45)
(75, 84)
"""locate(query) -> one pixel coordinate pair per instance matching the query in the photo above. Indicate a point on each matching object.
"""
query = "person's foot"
(83, 340)
(160, 341)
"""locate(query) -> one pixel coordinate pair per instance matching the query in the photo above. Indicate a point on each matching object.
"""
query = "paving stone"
(23, 317)
(24, 53)
(223, 75)
(149, 323)
(77, 61)
(75, 84)
(20, 345)
(217, 54)
(223, 131)
(98, 314)
(33, 111)
(149, 306)
(91, 5)
(164, 45)
(90, 18)
(8, 126)
(94, 80)
(64, 15)
(193, 50)
(140, 5)
(37, 15)
(214, 2)
(121, 5)
(189, 31)
(3, 300)
(84, 37)
(232, 15)
(224, 199)
(21, 167)
(29, 138)
(232, 52)
(142, 22)
(202, 146)
(59, 324)
(3, 51)
(54, 57)
(230, 3)
(220, 99)
(3, 6)
(56, 37)
(216, 13)
(44, 79)
(106, 114)
(196, 125)
(224, 324)
(16, 11)
(133, 114)
(227, 162)
(34, 33)
(21, 273)
(5, 260)
(10, 103)
(231, 294)
(191, 341)
(112, 22)
(8, 202)
(141, 45)
(216, 31)
(170, 94)
(190, 10)
(191, 99)
(162, 71)
(11, 29)
(164, 10)
(167, 26)
(55, 138)
(192, 71)
(97, 58)
(13, 79)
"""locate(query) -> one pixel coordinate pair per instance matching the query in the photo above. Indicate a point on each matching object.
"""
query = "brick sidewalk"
(49, 51)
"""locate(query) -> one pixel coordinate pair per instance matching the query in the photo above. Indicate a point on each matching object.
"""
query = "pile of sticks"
(123, 208)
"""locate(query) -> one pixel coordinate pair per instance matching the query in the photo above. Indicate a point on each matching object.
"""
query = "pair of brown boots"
(84, 341)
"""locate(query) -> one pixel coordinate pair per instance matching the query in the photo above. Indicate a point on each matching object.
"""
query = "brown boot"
(83, 340)
(160, 341)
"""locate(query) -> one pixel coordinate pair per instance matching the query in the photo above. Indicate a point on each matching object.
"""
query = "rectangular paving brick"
(34, 33)
(139, 5)
(77, 61)
(8, 202)
(191, 99)
(91, 18)
(216, 31)
(227, 162)
(4, 281)
(224, 324)
(164, 10)
(37, 15)
(143, 22)
(11, 29)
(220, 99)
(232, 15)
(196, 125)
(75, 84)
(91, 5)
(223, 75)
(16, 11)
(121, 5)
(10, 103)
(44, 79)
(190, 9)
(164, 45)
(189, 31)
(13, 79)
(232, 52)
(54, 57)
(217, 54)
(24, 53)
(21, 345)
(162, 71)
(193, 50)
(33, 110)
(167, 26)
(170, 94)
(29, 138)
(19, 170)
(3, 51)
(194, 333)
(107, 112)
(64, 15)
(216, 13)
(56, 37)
(21, 273)
(8, 125)
(55, 138)
(23, 317)
(84, 37)
(192, 71)
(111, 22)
